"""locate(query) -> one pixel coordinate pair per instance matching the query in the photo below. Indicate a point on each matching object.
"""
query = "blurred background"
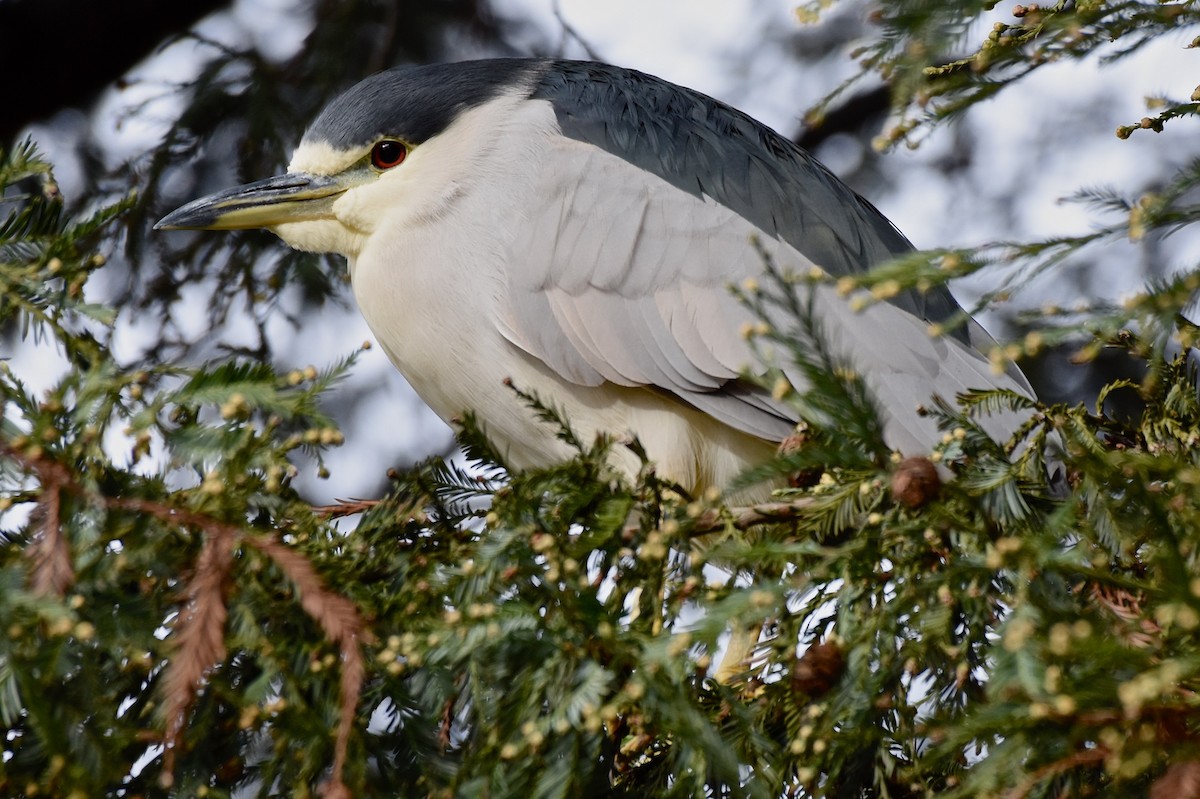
(176, 100)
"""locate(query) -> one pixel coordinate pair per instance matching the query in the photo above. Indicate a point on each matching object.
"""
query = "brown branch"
(447, 723)
(204, 616)
(742, 517)
(341, 622)
(337, 616)
(199, 639)
(1181, 781)
(746, 517)
(51, 572)
(172, 515)
(345, 507)
(1084, 757)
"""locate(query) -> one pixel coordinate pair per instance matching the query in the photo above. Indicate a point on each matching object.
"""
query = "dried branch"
(746, 517)
(337, 616)
(51, 573)
(199, 639)
(200, 629)
(447, 722)
(743, 517)
(342, 624)
(345, 507)
(1139, 630)
(1181, 781)
(1085, 757)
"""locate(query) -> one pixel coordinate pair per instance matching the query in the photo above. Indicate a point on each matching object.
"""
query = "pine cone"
(915, 482)
(818, 670)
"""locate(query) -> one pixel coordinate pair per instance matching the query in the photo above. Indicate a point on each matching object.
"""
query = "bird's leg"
(739, 652)
(656, 626)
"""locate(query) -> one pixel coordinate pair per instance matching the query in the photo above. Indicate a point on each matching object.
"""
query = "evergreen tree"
(179, 620)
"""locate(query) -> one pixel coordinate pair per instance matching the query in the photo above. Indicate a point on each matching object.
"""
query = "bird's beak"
(295, 197)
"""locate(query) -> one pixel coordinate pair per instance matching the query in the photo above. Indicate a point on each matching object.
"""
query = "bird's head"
(395, 147)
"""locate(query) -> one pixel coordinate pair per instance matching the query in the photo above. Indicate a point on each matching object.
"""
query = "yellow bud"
(886, 289)
(213, 484)
(1033, 342)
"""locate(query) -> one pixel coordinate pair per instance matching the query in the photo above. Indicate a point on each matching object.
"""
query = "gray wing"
(705, 148)
(647, 208)
(618, 276)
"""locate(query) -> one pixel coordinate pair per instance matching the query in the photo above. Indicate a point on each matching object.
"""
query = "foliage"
(180, 621)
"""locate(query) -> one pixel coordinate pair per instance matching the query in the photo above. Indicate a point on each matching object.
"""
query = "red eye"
(387, 154)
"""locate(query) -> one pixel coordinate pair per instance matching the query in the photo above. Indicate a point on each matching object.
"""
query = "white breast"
(430, 280)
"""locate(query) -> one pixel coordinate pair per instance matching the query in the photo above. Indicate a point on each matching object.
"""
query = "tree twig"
(199, 640)
(570, 31)
(200, 631)
(51, 572)
(345, 507)
(742, 517)
(1084, 757)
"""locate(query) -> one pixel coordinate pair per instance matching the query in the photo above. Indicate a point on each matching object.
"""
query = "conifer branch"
(1086, 757)
(345, 507)
(343, 625)
(199, 631)
(199, 640)
(52, 573)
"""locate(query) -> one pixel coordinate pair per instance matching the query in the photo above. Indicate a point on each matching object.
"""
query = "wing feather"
(524, 322)
(686, 326)
(634, 288)
(618, 275)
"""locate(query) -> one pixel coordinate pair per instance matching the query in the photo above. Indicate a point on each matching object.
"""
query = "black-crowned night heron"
(575, 227)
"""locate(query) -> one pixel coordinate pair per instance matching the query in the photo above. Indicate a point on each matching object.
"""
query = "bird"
(573, 228)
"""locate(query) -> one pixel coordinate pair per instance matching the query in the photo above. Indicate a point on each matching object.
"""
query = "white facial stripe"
(486, 151)
(489, 145)
(318, 158)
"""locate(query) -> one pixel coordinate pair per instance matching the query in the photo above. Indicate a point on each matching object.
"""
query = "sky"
(736, 50)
